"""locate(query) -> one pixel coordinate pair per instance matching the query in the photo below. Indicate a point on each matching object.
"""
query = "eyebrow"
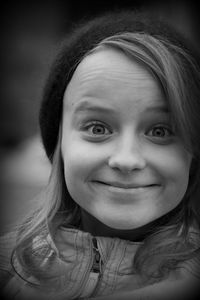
(87, 106)
(159, 108)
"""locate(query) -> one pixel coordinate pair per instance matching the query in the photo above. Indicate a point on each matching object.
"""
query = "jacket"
(90, 267)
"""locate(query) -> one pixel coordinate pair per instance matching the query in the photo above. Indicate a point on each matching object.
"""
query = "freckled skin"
(126, 152)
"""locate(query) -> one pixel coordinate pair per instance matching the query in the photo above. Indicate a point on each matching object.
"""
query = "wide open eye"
(160, 133)
(97, 129)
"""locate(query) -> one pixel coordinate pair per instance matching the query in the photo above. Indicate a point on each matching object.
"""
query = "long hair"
(179, 77)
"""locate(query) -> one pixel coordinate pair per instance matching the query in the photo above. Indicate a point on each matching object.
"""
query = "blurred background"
(31, 32)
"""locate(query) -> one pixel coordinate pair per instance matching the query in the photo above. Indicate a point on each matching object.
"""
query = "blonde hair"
(173, 243)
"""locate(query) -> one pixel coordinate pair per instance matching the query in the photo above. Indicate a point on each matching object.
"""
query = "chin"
(121, 217)
(121, 224)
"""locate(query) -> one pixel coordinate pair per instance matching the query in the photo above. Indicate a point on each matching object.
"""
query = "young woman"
(120, 124)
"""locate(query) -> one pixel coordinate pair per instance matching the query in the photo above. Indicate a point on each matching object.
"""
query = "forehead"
(108, 60)
(109, 72)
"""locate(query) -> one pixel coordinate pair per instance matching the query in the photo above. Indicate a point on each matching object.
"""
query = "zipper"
(97, 265)
(97, 262)
(94, 272)
(102, 269)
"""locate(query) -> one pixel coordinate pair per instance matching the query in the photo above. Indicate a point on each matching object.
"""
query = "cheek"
(80, 157)
(173, 163)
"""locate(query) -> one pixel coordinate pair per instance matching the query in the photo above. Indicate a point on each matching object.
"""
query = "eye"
(160, 132)
(97, 129)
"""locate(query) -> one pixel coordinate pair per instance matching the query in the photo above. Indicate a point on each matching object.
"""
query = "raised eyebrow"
(87, 106)
(161, 109)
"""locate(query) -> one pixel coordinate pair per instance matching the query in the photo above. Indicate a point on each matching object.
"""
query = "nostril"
(127, 162)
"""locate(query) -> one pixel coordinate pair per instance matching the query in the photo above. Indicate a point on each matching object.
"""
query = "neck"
(96, 228)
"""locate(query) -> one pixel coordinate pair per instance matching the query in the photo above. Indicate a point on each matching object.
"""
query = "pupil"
(98, 130)
(159, 132)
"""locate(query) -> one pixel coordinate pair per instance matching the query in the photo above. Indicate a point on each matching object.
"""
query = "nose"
(127, 156)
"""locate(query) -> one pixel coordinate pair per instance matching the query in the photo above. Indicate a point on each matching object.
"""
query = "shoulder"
(7, 244)
(12, 286)
(191, 267)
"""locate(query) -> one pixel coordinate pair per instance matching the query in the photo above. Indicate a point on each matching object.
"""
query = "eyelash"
(168, 133)
(100, 124)
(164, 128)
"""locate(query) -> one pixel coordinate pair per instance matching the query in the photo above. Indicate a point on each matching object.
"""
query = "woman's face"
(123, 163)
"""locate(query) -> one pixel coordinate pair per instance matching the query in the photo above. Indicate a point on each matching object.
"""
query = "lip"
(123, 185)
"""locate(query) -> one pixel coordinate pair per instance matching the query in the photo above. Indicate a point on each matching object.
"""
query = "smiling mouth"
(125, 185)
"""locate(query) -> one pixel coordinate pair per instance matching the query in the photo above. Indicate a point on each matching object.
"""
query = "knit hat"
(81, 40)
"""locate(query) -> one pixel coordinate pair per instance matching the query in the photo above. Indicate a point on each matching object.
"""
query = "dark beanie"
(76, 44)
